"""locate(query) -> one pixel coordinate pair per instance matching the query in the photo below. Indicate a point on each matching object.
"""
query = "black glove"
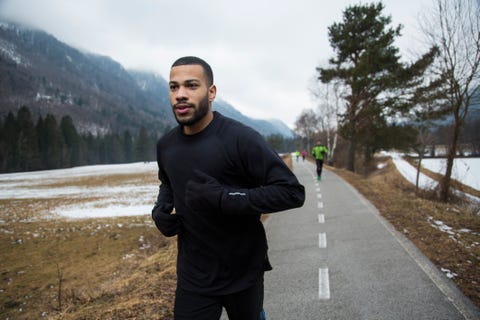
(203, 192)
(168, 224)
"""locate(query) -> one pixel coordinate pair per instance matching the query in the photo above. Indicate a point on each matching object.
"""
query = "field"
(57, 266)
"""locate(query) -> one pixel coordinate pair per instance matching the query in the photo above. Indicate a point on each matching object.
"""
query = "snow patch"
(122, 200)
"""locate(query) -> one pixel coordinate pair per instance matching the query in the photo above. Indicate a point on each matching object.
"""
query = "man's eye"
(173, 87)
(192, 85)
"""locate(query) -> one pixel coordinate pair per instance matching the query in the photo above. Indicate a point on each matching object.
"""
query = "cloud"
(263, 52)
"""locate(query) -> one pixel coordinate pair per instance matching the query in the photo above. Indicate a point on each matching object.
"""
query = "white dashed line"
(321, 218)
(320, 205)
(323, 284)
(322, 240)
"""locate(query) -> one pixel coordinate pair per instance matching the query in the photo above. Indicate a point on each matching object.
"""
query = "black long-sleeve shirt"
(224, 251)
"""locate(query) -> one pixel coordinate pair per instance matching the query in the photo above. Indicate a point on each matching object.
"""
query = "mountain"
(265, 127)
(101, 96)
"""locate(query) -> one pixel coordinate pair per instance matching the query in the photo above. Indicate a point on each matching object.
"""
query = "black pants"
(243, 305)
(319, 167)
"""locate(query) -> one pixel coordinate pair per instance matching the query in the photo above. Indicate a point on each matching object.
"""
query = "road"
(337, 258)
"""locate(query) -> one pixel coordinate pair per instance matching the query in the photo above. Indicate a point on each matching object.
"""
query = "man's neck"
(199, 126)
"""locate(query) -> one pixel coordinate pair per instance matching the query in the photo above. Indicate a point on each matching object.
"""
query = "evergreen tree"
(368, 64)
(127, 143)
(114, 149)
(3, 147)
(142, 145)
(73, 155)
(92, 149)
(54, 144)
(42, 142)
(28, 153)
(10, 134)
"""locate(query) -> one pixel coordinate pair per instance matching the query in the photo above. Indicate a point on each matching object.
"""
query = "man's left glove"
(203, 192)
(168, 224)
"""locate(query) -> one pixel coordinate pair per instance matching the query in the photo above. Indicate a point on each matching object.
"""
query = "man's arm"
(168, 223)
(278, 188)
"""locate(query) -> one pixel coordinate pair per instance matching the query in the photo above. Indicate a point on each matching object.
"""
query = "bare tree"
(454, 27)
(306, 125)
(329, 107)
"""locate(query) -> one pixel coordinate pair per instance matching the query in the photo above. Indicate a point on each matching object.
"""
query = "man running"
(220, 176)
(319, 151)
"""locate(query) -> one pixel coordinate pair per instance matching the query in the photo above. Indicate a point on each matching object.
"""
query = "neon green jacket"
(319, 152)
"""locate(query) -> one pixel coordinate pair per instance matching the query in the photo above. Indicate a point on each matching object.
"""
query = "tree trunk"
(445, 183)
(419, 167)
(351, 154)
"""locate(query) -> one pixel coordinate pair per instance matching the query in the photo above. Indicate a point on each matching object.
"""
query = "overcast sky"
(263, 53)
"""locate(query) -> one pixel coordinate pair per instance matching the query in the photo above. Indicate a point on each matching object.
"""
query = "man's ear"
(212, 92)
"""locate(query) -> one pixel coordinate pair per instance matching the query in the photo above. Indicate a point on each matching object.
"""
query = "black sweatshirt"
(224, 249)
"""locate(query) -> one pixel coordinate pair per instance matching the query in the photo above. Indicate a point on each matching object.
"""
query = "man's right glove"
(203, 192)
(168, 224)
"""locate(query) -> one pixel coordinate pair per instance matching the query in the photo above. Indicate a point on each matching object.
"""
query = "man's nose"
(181, 93)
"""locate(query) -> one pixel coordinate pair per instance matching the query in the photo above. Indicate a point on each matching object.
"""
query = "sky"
(263, 52)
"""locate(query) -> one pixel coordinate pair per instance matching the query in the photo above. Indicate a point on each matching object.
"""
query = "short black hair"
(195, 60)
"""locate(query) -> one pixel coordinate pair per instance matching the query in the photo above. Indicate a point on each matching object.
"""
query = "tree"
(143, 145)
(54, 144)
(28, 153)
(306, 125)
(10, 133)
(73, 152)
(127, 146)
(329, 107)
(454, 26)
(368, 64)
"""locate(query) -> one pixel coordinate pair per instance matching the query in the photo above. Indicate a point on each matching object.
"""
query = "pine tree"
(127, 143)
(41, 142)
(28, 153)
(54, 144)
(368, 64)
(142, 145)
(73, 154)
(3, 148)
(10, 134)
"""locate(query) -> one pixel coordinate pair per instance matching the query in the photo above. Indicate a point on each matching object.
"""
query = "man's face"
(189, 95)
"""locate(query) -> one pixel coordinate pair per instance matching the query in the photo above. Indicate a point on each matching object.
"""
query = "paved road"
(336, 258)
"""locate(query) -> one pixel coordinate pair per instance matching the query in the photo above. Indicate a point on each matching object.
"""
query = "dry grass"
(419, 218)
(56, 268)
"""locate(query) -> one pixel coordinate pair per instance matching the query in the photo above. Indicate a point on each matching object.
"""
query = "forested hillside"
(27, 145)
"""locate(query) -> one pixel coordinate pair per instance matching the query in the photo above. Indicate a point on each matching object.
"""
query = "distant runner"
(319, 152)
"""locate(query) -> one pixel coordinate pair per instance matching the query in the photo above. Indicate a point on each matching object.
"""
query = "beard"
(199, 112)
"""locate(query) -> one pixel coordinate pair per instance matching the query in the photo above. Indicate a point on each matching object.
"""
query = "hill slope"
(49, 76)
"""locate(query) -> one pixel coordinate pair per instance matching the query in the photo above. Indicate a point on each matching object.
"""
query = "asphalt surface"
(337, 258)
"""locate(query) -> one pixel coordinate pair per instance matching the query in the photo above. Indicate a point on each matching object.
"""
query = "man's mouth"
(182, 108)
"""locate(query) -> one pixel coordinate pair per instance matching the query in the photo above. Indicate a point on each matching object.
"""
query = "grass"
(123, 268)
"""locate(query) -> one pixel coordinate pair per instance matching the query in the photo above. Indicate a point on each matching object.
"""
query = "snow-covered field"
(127, 199)
(465, 170)
(133, 198)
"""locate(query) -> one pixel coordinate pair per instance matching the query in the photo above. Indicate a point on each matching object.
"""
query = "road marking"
(320, 205)
(321, 218)
(318, 189)
(322, 240)
(323, 284)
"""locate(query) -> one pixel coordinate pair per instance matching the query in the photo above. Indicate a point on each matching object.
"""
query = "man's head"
(190, 60)
(192, 93)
